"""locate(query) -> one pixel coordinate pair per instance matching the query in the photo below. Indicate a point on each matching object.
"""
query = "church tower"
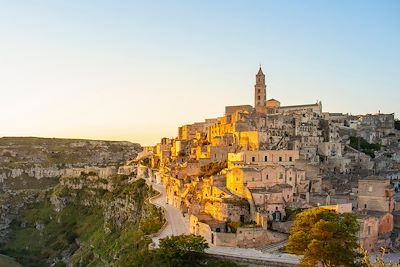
(260, 92)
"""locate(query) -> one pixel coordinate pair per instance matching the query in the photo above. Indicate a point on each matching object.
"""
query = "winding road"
(177, 224)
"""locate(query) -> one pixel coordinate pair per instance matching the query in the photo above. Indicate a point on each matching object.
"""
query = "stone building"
(263, 157)
(375, 230)
(375, 193)
(278, 157)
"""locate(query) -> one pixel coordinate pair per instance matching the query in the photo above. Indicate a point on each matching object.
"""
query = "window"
(280, 158)
(365, 206)
(281, 176)
(290, 158)
(253, 159)
(265, 158)
(369, 230)
(267, 176)
(290, 178)
(370, 188)
(259, 97)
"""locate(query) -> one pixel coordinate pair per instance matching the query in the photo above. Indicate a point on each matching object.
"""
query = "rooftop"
(374, 177)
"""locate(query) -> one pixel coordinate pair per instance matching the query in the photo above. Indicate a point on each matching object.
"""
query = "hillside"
(8, 262)
(85, 227)
(36, 232)
(23, 152)
(63, 203)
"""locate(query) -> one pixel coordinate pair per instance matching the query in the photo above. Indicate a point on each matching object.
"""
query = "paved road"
(177, 224)
(251, 253)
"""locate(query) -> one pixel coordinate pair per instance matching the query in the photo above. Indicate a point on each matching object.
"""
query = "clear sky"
(126, 70)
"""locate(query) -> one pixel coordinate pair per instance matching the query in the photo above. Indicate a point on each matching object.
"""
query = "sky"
(136, 70)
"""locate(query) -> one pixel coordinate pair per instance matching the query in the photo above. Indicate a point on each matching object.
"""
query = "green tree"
(324, 237)
(181, 250)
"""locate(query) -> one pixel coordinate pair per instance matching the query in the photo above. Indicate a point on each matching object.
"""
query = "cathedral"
(271, 106)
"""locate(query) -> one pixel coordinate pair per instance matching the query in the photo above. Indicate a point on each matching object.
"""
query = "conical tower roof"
(260, 72)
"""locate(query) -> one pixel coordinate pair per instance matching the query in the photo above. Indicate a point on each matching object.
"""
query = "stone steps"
(274, 247)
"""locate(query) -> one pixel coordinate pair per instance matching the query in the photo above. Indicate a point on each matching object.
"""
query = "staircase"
(274, 247)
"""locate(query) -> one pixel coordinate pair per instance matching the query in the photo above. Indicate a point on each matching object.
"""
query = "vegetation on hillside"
(361, 144)
(89, 231)
(8, 262)
(213, 168)
(78, 233)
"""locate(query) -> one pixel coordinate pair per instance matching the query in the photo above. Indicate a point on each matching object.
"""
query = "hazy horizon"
(135, 71)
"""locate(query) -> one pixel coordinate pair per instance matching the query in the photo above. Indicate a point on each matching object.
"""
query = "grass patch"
(6, 261)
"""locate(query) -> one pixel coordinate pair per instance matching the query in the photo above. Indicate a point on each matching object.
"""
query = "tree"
(324, 237)
(213, 168)
(181, 250)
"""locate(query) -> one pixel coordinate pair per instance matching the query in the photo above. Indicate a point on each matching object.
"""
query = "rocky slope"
(92, 225)
(49, 157)
(30, 173)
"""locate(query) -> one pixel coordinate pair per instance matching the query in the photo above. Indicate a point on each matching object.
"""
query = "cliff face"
(48, 157)
(62, 202)
(35, 172)
(87, 221)
(11, 204)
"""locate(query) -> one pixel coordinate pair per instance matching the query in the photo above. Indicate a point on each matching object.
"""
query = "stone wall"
(225, 239)
(282, 227)
(368, 234)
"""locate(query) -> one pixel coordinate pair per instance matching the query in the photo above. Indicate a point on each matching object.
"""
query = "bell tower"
(260, 92)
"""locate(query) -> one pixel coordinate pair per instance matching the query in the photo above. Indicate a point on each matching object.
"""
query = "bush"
(213, 168)
(182, 249)
(361, 144)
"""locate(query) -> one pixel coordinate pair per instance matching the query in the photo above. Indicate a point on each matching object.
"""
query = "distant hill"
(22, 152)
